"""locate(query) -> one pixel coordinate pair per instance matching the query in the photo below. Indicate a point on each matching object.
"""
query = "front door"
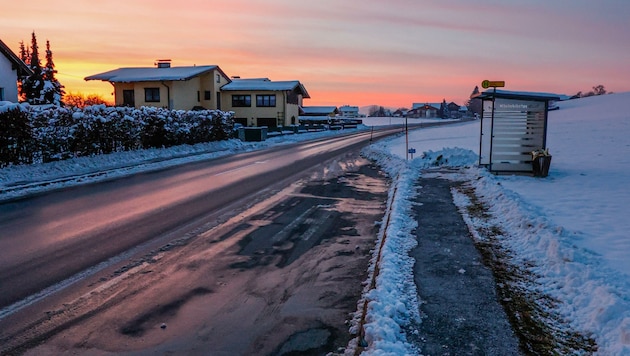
(129, 98)
(219, 101)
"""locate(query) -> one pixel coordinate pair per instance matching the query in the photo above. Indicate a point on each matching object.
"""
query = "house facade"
(11, 68)
(262, 102)
(176, 88)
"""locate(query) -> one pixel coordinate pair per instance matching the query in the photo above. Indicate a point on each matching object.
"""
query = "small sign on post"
(412, 151)
(494, 84)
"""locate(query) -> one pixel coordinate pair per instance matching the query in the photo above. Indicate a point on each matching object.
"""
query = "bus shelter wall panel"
(510, 135)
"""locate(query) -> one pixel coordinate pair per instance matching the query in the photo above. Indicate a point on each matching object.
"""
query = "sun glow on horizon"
(356, 53)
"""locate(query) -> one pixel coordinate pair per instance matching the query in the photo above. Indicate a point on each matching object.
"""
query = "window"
(241, 100)
(152, 95)
(198, 96)
(207, 95)
(266, 100)
(1, 94)
(218, 78)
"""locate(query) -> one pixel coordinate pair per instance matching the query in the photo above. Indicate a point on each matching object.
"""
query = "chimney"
(163, 63)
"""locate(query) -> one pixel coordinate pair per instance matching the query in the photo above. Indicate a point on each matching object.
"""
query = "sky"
(352, 52)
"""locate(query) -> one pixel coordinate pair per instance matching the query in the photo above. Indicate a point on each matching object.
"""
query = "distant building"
(319, 111)
(349, 111)
(400, 113)
(424, 110)
(262, 102)
(11, 68)
(177, 88)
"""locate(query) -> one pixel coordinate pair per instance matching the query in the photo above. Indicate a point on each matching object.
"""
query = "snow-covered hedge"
(30, 134)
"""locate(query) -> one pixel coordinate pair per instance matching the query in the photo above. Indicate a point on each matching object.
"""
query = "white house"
(11, 67)
(349, 111)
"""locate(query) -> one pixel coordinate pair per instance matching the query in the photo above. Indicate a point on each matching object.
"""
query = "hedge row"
(30, 134)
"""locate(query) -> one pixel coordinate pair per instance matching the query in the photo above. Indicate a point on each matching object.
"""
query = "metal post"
(407, 139)
(494, 94)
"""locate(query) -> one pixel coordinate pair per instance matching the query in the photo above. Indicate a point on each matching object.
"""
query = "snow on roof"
(319, 109)
(151, 74)
(420, 105)
(264, 84)
(349, 108)
(524, 95)
(13, 58)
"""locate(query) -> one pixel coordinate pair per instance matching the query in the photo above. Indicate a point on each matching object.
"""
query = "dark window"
(1, 93)
(198, 96)
(152, 95)
(241, 100)
(266, 100)
(265, 121)
(241, 120)
(207, 95)
(129, 98)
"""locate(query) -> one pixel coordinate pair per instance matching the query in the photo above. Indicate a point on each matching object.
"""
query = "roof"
(153, 74)
(15, 60)
(314, 110)
(435, 106)
(264, 84)
(349, 108)
(518, 95)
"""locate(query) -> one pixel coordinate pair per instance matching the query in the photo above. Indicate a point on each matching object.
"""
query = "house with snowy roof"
(424, 110)
(177, 88)
(11, 68)
(263, 102)
(349, 111)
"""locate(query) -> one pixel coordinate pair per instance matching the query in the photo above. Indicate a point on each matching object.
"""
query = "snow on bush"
(34, 134)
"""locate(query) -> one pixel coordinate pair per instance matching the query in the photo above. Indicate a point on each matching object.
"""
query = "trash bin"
(252, 133)
(540, 165)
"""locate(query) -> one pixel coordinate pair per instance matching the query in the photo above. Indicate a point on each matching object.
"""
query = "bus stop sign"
(494, 84)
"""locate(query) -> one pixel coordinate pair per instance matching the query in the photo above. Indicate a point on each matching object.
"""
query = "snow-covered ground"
(571, 226)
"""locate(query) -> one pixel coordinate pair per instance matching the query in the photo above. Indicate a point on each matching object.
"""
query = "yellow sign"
(495, 84)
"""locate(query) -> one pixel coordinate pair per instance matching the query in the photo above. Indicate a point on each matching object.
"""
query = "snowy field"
(572, 224)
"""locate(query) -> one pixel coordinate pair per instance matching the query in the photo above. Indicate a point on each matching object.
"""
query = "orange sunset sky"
(357, 52)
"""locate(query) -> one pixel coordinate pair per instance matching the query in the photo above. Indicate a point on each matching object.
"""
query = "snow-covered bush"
(15, 135)
(49, 133)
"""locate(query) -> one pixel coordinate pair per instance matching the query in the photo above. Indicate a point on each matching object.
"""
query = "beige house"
(262, 102)
(177, 88)
(11, 68)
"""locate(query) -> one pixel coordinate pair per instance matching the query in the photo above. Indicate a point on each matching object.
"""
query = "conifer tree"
(42, 87)
(474, 104)
(23, 53)
(33, 85)
(53, 90)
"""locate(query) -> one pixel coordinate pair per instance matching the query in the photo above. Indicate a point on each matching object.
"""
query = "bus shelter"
(513, 125)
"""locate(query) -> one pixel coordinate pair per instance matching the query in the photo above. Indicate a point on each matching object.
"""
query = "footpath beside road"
(460, 311)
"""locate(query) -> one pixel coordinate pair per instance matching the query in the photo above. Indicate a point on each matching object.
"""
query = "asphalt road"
(278, 276)
(48, 238)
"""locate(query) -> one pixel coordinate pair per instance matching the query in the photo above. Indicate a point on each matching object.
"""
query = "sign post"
(494, 84)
